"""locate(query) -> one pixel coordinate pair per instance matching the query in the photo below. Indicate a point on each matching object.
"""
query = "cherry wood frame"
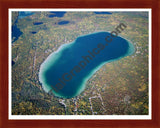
(4, 42)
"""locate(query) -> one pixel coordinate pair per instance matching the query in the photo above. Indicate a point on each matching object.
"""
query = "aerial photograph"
(79, 62)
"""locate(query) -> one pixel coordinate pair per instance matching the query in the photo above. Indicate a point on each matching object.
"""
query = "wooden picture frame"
(4, 63)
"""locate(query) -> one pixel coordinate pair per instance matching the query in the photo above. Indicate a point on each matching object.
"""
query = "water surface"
(33, 32)
(56, 14)
(103, 13)
(37, 23)
(23, 14)
(16, 32)
(13, 62)
(63, 22)
(66, 71)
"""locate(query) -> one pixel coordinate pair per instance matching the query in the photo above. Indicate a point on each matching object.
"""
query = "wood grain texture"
(6, 4)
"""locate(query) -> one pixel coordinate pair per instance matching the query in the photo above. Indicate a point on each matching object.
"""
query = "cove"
(66, 71)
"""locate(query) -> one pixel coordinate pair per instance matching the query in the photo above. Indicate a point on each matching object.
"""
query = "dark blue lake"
(66, 71)
(16, 33)
(13, 62)
(37, 23)
(56, 14)
(34, 32)
(63, 22)
(103, 13)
